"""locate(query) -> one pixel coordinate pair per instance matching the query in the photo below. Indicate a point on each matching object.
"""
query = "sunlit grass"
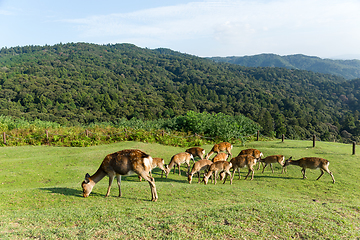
(40, 197)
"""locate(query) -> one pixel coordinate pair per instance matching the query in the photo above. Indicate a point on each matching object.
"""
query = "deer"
(220, 147)
(253, 152)
(273, 159)
(220, 166)
(220, 157)
(196, 152)
(242, 161)
(201, 165)
(120, 163)
(157, 162)
(311, 163)
(179, 159)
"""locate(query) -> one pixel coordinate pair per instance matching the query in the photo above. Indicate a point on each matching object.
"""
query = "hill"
(80, 83)
(349, 69)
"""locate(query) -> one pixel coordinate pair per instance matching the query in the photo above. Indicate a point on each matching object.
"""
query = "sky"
(207, 28)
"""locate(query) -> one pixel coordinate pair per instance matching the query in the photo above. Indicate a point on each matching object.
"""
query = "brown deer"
(179, 159)
(201, 165)
(220, 166)
(242, 161)
(196, 152)
(220, 157)
(253, 152)
(124, 162)
(312, 163)
(157, 162)
(273, 159)
(220, 147)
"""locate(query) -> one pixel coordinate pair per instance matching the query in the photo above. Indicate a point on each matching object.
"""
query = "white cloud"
(249, 27)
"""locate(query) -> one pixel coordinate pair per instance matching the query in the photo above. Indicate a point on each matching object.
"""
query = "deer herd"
(132, 161)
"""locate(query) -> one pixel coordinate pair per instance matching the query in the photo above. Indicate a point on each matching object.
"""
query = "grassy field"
(40, 197)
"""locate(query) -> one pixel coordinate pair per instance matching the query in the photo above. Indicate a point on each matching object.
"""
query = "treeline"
(79, 83)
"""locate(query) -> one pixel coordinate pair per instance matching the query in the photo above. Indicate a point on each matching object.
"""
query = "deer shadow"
(64, 191)
(274, 177)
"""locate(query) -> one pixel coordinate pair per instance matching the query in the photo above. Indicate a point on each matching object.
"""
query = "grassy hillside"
(80, 83)
(349, 69)
(40, 197)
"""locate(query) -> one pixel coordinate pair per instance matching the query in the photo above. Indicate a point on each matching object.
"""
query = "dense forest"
(349, 69)
(81, 83)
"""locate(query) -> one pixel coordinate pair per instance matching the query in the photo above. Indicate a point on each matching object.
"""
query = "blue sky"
(324, 28)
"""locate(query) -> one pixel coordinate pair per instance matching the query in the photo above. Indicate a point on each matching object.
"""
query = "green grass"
(40, 197)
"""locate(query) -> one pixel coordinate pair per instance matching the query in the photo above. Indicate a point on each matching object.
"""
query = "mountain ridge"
(349, 69)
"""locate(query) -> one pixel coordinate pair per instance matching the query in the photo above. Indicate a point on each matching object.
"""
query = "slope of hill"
(84, 83)
(349, 69)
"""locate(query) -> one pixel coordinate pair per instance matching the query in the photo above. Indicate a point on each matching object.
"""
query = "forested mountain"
(349, 69)
(85, 83)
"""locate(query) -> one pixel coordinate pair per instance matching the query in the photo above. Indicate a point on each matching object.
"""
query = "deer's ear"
(87, 178)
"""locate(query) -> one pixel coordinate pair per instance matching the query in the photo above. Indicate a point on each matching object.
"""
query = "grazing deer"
(273, 159)
(124, 162)
(200, 165)
(179, 159)
(242, 161)
(220, 147)
(196, 152)
(253, 152)
(157, 162)
(220, 157)
(220, 166)
(312, 163)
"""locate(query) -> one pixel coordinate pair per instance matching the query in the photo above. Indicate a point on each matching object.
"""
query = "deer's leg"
(233, 173)
(322, 173)
(151, 182)
(199, 176)
(303, 172)
(179, 169)
(228, 173)
(332, 176)
(206, 177)
(111, 179)
(252, 176)
(225, 177)
(264, 167)
(271, 168)
(239, 172)
(118, 177)
(215, 173)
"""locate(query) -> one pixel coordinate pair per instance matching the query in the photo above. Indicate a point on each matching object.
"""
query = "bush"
(179, 131)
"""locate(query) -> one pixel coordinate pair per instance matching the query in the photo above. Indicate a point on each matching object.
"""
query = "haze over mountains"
(349, 69)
